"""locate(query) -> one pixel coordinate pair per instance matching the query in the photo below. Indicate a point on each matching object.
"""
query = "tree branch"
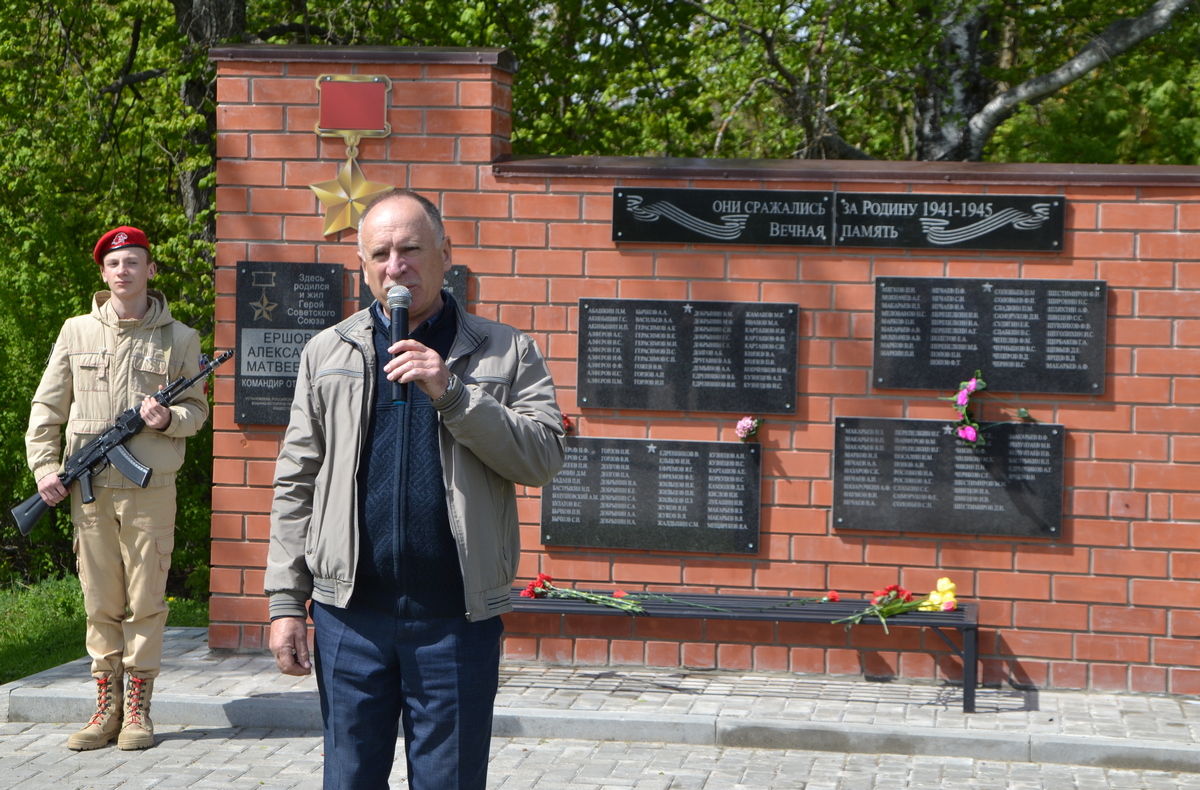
(1119, 37)
(115, 88)
(295, 27)
(127, 80)
(737, 105)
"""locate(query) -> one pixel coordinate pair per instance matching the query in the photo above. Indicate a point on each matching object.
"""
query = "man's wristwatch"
(449, 388)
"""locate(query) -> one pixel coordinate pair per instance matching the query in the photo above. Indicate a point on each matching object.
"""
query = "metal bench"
(965, 619)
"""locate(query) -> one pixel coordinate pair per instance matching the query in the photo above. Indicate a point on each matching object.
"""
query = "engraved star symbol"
(346, 196)
(687, 308)
(987, 287)
(947, 429)
(263, 307)
(651, 448)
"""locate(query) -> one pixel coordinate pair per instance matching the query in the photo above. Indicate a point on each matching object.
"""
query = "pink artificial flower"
(971, 385)
(968, 432)
(745, 427)
(949, 606)
(964, 397)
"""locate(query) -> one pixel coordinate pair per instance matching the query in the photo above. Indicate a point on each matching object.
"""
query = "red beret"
(117, 238)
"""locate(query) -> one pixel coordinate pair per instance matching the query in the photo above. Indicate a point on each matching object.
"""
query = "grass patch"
(42, 625)
(186, 612)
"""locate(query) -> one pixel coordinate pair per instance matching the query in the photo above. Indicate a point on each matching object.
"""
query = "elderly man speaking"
(398, 518)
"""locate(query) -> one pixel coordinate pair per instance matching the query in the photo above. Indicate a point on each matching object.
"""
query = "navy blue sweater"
(408, 559)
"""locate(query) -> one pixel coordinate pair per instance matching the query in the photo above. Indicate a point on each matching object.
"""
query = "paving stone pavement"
(191, 671)
(35, 757)
(582, 727)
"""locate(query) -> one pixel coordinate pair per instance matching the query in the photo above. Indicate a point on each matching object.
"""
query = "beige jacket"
(99, 367)
(500, 426)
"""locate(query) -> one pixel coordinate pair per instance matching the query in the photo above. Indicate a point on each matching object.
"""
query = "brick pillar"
(450, 117)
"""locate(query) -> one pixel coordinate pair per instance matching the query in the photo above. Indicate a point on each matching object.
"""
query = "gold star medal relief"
(353, 106)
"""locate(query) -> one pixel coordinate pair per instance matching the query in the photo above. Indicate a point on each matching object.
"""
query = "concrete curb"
(301, 711)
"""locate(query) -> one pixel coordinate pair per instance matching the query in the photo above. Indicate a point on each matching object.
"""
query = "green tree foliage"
(914, 79)
(92, 130)
(595, 76)
(1144, 108)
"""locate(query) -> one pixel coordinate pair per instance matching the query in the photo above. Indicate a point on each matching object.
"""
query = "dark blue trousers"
(436, 677)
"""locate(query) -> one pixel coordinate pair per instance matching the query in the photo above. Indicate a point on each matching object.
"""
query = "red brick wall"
(1113, 604)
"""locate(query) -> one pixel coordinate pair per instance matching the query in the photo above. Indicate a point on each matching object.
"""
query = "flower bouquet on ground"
(831, 596)
(894, 599)
(543, 587)
(660, 598)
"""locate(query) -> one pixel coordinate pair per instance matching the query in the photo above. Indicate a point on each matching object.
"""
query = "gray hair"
(431, 211)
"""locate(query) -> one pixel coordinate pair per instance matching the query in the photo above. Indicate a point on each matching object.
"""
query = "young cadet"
(114, 358)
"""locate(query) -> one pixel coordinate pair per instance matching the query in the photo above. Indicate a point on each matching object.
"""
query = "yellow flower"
(938, 599)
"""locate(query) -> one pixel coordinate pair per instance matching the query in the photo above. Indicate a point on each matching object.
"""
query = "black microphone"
(399, 298)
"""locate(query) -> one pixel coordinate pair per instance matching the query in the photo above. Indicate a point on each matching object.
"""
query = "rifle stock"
(109, 447)
(28, 513)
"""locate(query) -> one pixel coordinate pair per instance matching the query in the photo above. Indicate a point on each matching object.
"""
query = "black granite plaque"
(917, 476)
(687, 356)
(1022, 335)
(829, 219)
(455, 282)
(723, 216)
(648, 494)
(967, 222)
(280, 306)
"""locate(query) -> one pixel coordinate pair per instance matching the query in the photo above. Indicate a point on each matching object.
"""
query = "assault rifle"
(109, 448)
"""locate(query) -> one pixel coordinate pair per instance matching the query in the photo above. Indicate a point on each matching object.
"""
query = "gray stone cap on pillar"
(847, 170)
(502, 59)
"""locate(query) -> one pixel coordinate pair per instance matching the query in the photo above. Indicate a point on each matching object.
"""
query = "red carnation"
(832, 595)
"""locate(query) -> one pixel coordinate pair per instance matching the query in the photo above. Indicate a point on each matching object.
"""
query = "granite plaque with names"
(723, 216)
(917, 476)
(688, 356)
(280, 306)
(948, 222)
(1022, 335)
(649, 494)
(455, 282)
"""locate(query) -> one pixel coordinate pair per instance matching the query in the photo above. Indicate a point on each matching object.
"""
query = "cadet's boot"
(106, 721)
(137, 731)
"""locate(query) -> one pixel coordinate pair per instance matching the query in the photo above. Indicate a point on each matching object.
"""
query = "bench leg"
(970, 660)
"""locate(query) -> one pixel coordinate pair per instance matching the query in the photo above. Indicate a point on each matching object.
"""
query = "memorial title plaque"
(688, 356)
(917, 476)
(971, 222)
(280, 306)
(1022, 335)
(455, 281)
(730, 216)
(831, 219)
(645, 494)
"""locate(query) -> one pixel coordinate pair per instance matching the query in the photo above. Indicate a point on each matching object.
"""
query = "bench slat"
(707, 606)
(748, 607)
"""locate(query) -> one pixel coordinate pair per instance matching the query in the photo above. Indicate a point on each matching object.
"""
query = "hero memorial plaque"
(1022, 335)
(647, 494)
(688, 356)
(280, 307)
(454, 281)
(917, 476)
